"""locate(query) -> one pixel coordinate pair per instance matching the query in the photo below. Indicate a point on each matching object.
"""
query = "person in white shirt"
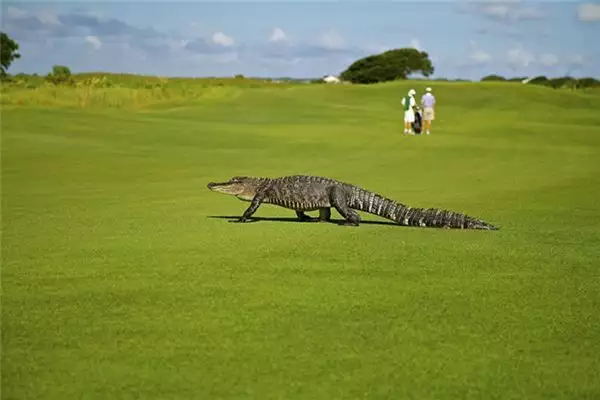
(428, 103)
(409, 104)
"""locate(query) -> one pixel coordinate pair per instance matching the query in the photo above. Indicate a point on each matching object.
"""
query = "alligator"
(303, 193)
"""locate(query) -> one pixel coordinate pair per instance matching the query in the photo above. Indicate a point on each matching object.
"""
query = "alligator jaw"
(228, 187)
(243, 188)
(214, 185)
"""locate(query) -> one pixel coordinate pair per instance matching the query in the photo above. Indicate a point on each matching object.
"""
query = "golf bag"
(417, 126)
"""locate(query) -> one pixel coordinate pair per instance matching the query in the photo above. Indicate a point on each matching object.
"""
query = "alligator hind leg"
(339, 200)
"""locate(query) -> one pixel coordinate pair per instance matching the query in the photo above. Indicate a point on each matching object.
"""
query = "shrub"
(539, 80)
(585, 83)
(564, 82)
(60, 75)
(493, 78)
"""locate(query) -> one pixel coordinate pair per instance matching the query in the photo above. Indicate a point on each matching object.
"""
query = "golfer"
(409, 113)
(428, 104)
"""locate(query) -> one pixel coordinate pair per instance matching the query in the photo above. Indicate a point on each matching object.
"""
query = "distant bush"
(585, 83)
(493, 78)
(105, 90)
(22, 80)
(95, 82)
(560, 83)
(539, 80)
(566, 82)
(60, 75)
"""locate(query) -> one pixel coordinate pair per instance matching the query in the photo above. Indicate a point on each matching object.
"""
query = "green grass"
(122, 91)
(118, 282)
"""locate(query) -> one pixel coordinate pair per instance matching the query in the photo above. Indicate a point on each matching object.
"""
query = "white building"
(331, 79)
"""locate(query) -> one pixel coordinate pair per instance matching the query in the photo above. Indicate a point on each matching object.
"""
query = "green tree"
(588, 82)
(539, 80)
(563, 82)
(389, 65)
(493, 78)
(8, 52)
(60, 75)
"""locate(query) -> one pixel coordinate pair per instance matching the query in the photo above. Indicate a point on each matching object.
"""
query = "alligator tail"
(376, 204)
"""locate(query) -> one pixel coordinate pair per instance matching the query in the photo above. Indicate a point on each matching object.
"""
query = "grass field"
(122, 278)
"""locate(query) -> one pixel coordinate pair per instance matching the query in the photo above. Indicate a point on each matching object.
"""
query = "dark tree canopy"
(493, 77)
(588, 82)
(539, 80)
(8, 52)
(60, 75)
(389, 65)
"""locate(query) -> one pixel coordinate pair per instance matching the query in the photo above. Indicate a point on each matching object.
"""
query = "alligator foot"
(349, 223)
(240, 220)
(305, 218)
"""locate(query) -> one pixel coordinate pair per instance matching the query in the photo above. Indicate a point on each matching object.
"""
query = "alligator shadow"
(295, 220)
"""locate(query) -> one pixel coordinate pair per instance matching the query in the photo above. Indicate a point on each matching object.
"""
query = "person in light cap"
(428, 104)
(409, 104)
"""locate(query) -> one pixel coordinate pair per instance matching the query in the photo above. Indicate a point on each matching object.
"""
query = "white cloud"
(548, 60)
(478, 56)
(588, 12)
(519, 57)
(501, 10)
(94, 41)
(278, 35)
(496, 10)
(222, 58)
(193, 29)
(48, 17)
(16, 13)
(576, 61)
(512, 2)
(527, 13)
(414, 43)
(222, 39)
(332, 40)
(376, 48)
(329, 45)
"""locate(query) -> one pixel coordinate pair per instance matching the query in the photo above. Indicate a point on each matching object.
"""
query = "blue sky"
(304, 38)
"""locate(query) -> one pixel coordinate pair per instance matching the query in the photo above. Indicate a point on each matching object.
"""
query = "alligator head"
(243, 187)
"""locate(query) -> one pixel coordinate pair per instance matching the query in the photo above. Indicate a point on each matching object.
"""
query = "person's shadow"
(233, 218)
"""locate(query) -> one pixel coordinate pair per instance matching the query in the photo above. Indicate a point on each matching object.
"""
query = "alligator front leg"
(303, 217)
(256, 201)
(325, 214)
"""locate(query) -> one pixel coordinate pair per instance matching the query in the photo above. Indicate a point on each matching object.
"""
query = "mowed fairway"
(123, 278)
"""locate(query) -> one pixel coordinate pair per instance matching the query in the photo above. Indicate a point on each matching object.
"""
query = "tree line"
(556, 83)
(390, 65)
